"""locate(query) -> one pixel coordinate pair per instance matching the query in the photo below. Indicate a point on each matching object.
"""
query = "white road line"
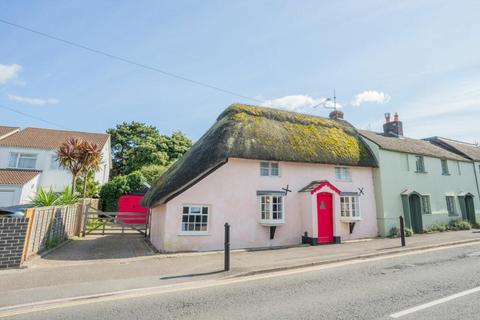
(434, 303)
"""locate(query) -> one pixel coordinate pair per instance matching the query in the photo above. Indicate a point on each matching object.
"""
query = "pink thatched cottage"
(278, 177)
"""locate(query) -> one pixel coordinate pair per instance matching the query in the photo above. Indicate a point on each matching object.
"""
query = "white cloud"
(34, 101)
(9, 72)
(370, 96)
(299, 103)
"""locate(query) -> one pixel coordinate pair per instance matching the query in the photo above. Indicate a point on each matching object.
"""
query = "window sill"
(350, 219)
(271, 223)
(194, 234)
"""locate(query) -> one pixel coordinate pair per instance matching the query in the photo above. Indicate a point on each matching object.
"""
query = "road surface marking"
(37, 306)
(434, 303)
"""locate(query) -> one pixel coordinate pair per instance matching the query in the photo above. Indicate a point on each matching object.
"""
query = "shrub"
(52, 243)
(394, 232)
(459, 224)
(408, 232)
(438, 227)
(118, 186)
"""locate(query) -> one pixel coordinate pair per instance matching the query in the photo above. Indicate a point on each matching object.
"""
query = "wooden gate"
(100, 222)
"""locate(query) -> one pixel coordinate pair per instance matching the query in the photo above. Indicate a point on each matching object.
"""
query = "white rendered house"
(28, 162)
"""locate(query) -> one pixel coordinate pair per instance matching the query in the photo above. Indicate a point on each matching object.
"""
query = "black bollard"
(402, 231)
(227, 247)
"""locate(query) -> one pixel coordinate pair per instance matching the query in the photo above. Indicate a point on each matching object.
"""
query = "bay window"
(349, 206)
(272, 208)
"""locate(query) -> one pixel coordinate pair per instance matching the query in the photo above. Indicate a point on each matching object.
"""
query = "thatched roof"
(409, 145)
(251, 132)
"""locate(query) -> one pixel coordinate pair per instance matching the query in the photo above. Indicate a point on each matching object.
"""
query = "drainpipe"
(476, 178)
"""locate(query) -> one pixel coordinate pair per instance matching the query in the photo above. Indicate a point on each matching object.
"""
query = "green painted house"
(419, 180)
(471, 152)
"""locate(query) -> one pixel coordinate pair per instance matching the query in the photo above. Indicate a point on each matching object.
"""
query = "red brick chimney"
(395, 127)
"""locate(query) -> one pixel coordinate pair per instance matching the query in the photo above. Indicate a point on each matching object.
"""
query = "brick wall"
(12, 240)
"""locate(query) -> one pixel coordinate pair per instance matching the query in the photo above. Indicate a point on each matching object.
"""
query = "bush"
(459, 224)
(408, 232)
(118, 186)
(438, 227)
(395, 232)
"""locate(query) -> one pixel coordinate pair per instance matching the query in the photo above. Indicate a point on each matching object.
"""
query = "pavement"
(440, 283)
(95, 265)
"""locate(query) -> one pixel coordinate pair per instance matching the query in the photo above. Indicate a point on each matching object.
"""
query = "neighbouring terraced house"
(28, 162)
(275, 176)
(420, 180)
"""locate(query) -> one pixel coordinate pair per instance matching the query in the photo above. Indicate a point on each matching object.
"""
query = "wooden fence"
(50, 226)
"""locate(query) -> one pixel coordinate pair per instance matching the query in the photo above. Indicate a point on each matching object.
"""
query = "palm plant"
(45, 198)
(67, 197)
(68, 156)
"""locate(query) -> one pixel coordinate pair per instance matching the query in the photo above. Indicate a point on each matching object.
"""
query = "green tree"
(136, 144)
(152, 172)
(118, 186)
(178, 144)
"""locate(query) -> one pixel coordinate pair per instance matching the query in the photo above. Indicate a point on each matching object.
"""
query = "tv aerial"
(325, 103)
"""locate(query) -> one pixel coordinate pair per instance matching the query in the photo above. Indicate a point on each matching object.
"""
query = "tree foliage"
(118, 186)
(93, 187)
(136, 144)
(152, 172)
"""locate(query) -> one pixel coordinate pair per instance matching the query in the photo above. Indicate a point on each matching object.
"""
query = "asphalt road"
(368, 290)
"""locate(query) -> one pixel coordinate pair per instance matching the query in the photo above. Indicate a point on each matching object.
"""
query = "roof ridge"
(58, 130)
(454, 140)
(22, 170)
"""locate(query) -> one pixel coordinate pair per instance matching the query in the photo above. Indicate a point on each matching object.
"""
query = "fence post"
(84, 218)
(227, 247)
(402, 231)
(29, 214)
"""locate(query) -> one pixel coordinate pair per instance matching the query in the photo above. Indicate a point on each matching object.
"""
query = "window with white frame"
(425, 202)
(419, 164)
(195, 218)
(269, 169)
(54, 164)
(342, 173)
(452, 211)
(272, 208)
(349, 206)
(22, 160)
(445, 171)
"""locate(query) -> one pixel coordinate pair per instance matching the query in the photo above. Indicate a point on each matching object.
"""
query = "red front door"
(325, 217)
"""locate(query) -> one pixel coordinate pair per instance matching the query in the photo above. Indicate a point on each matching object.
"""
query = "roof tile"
(17, 176)
(409, 145)
(49, 138)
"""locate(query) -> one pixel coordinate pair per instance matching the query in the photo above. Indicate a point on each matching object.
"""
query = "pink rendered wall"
(230, 192)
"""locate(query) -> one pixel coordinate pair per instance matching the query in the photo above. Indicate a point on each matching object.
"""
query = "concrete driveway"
(95, 248)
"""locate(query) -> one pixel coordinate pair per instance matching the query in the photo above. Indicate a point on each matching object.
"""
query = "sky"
(418, 58)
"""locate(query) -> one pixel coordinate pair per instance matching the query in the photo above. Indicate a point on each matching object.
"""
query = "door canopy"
(315, 186)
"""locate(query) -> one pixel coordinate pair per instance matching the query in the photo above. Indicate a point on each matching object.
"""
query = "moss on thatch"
(251, 132)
